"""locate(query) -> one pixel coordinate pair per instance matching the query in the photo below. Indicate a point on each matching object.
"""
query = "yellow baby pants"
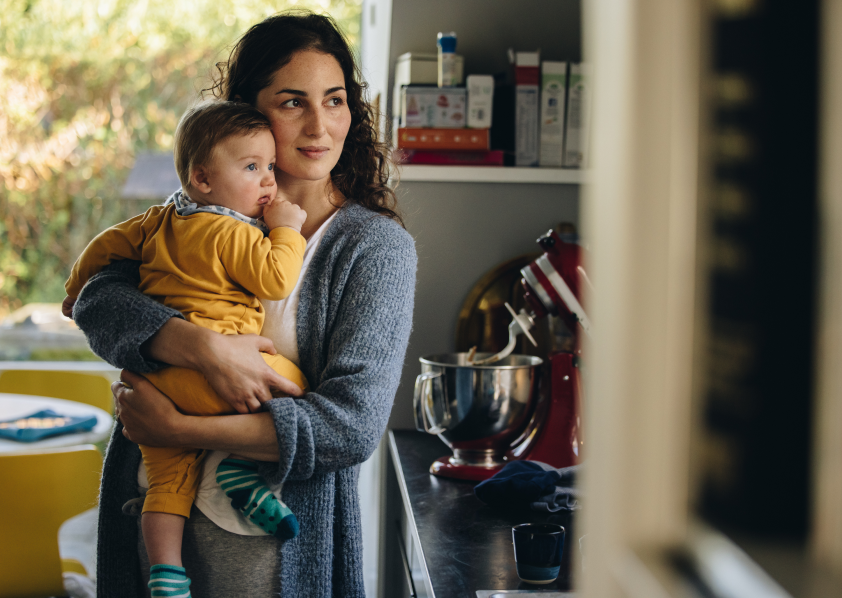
(174, 473)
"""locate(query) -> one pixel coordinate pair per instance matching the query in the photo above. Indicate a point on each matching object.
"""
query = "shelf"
(491, 174)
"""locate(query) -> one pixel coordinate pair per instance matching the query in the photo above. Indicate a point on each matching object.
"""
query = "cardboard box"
(416, 69)
(576, 151)
(527, 76)
(553, 101)
(480, 101)
(438, 107)
(445, 139)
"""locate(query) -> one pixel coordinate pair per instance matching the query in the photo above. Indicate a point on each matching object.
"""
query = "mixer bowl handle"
(424, 403)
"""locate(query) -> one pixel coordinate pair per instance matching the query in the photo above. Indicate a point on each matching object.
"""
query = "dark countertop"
(467, 545)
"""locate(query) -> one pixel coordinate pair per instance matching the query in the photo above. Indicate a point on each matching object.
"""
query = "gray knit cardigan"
(353, 325)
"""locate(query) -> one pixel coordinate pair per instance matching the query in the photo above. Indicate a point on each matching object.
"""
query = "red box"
(445, 139)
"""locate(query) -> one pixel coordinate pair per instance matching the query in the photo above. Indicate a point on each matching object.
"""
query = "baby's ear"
(199, 179)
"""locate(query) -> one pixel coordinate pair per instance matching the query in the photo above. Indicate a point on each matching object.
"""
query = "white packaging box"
(480, 96)
(553, 90)
(416, 69)
(527, 143)
(576, 152)
(437, 107)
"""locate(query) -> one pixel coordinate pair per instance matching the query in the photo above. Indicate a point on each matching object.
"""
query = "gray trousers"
(221, 564)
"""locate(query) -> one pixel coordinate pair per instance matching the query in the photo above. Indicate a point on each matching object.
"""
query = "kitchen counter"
(441, 540)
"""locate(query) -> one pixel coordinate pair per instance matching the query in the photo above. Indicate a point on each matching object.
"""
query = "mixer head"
(553, 283)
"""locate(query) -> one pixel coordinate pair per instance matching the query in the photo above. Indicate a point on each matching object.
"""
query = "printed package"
(553, 91)
(576, 153)
(480, 97)
(437, 107)
(527, 76)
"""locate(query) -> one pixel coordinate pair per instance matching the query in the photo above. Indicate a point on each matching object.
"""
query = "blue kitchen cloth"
(539, 486)
(44, 424)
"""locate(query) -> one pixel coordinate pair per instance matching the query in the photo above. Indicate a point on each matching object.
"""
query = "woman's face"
(308, 107)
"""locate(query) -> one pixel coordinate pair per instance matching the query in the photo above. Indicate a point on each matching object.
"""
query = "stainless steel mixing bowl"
(475, 410)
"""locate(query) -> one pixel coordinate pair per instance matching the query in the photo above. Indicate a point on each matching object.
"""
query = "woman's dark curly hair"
(362, 172)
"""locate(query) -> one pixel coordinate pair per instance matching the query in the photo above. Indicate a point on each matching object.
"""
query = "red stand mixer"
(490, 409)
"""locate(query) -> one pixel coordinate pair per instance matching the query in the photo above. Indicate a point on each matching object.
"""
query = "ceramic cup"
(538, 550)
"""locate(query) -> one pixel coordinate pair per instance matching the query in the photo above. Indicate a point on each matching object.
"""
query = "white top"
(279, 327)
(13, 406)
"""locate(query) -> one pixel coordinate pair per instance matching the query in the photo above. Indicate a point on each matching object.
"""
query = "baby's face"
(241, 173)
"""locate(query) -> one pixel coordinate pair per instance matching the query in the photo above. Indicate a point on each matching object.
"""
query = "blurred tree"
(86, 86)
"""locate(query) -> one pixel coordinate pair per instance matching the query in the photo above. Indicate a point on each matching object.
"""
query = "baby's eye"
(271, 167)
(252, 166)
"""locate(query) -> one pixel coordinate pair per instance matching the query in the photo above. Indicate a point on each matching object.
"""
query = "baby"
(207, 254)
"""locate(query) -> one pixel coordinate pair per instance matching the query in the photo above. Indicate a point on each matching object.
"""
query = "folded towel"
(44, 424)
(539, 486)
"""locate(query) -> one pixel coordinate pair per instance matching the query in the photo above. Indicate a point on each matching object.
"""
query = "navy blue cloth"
(531, 484)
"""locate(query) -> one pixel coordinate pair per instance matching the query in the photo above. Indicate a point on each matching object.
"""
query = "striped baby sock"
(248, 493)
(168, 581)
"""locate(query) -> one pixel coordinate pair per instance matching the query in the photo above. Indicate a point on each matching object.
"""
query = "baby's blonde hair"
(206, 125)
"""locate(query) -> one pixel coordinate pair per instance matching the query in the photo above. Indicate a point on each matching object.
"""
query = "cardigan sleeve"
(340, 423)
(117, 318)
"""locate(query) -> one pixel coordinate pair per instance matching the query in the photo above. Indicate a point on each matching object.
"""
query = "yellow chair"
(40, 491)
(91, 389)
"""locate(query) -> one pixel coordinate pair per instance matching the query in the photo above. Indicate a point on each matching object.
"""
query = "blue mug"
(538, 551)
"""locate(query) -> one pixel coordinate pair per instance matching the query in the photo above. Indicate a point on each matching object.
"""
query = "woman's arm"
(339, 424)
(231, 363)
(150, 418)
(118, 319)
(132, 331)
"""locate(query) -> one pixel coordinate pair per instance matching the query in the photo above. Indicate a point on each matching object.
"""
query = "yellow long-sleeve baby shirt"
(210, 267)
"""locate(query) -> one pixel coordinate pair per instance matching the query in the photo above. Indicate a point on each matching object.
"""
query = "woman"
(349, 328)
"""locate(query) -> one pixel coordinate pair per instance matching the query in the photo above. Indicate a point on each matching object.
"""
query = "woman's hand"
(238, 373)
(231, 363)
(147, 415)
(150, 418)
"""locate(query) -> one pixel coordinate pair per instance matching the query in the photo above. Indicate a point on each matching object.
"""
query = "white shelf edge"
(491, 174)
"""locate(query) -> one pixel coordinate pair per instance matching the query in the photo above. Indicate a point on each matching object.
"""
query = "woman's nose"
(315, 124)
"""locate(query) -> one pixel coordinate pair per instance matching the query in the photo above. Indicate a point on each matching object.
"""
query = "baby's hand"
(283, 213)
(67, 307)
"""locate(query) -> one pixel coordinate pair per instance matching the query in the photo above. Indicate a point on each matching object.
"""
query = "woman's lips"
(314, 151)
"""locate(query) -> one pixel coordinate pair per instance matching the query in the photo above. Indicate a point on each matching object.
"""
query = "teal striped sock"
(168, 581)
(250, 494)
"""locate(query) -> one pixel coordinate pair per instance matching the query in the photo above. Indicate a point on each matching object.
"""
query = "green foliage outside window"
(87, 85)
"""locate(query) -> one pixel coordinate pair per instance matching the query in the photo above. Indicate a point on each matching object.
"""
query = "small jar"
(446, 43)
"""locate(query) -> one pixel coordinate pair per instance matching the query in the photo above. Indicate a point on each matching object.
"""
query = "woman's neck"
(319, 199)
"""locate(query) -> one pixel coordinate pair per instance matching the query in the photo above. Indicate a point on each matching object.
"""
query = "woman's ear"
(199, 179)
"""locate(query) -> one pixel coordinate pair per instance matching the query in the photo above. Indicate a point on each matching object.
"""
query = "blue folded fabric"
(44, 424)
(532, 484)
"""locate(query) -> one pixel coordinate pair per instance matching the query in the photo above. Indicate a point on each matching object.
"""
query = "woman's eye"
(252, 166)
(293, 103)
(336, 101)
